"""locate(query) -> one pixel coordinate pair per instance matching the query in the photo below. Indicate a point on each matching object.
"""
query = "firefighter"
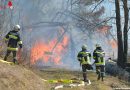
(84, 57)
(12, 40)
(98, 56)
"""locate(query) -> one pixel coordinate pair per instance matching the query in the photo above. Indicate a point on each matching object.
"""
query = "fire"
(104, 29)
(113, 44)
(47, 52)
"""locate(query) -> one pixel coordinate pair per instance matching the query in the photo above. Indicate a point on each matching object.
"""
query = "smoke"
(59, 27)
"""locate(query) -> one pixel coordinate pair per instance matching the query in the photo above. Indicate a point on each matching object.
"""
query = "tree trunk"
(125, 32)
(119, 35)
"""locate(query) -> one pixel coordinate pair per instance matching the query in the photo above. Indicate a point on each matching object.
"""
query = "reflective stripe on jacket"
(14, 40)
(99, 57)
(84, 57)
(12, 49)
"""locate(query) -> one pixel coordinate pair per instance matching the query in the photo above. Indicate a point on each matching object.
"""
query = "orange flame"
(104, 29)
(44, 51)
(113, 44)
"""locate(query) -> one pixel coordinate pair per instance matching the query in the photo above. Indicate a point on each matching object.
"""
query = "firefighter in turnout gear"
(98, 56)
(13, 40)
(84, 57)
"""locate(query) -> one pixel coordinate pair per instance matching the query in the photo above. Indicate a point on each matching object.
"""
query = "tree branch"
(97, 5)
(103, 22)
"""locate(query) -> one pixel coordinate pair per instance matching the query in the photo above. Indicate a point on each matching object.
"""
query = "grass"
(56, 73)
(17, 77)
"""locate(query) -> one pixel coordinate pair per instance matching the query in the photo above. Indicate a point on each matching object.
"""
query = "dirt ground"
(18, 77)
(15, 77)
(109, 83)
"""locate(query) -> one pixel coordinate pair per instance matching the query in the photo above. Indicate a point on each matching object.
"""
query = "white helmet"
(98, 45)
(17, 27)
(84, 46)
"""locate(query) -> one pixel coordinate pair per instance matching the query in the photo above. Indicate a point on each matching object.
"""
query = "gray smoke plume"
(42, 20)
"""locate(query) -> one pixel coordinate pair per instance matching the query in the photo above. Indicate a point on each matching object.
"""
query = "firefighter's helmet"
(84, 46)
(17, 27)
(98, 45)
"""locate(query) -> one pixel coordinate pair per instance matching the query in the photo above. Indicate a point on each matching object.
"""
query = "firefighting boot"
(85, 77)
(7, 54)
(99, 76)
(102, 76)
(5, 58)
(14, 61)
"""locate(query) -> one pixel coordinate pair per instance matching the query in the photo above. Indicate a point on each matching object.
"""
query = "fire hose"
(65, 83)
(10, 63)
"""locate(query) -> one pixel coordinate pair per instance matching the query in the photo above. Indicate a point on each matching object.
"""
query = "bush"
(114, 70)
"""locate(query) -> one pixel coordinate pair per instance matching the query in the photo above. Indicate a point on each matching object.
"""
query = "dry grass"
(16, 77)
(109, 83)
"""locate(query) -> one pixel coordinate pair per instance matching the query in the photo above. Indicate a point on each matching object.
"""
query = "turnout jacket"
(98, 56)
(14, 40)
(84, 57)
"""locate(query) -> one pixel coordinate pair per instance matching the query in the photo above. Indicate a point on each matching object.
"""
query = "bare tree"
(125, 32)
(122, 42)
(119, 34)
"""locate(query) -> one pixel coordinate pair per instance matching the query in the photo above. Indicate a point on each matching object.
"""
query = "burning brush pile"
(49, 52)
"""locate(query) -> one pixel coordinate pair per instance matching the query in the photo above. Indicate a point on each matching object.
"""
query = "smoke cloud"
(55, 25)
